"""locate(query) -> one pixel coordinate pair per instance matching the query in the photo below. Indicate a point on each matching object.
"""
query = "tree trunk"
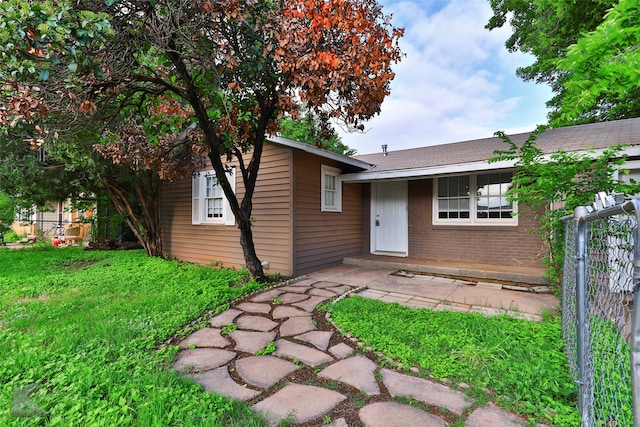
(248, 249)
(139, 206)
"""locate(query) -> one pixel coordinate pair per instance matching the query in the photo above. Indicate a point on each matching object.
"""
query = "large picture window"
(209, 205)
(474, 200)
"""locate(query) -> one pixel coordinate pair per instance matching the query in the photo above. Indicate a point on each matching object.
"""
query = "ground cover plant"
(517, 363)
(79, 332)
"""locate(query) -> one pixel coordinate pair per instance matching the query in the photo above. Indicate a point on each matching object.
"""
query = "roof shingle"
(572, 138)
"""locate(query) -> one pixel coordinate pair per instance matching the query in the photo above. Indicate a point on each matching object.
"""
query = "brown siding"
(497, 245)
(207, 244)
(323, 239)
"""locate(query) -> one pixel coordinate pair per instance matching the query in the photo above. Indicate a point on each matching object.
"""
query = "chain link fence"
(601, 277)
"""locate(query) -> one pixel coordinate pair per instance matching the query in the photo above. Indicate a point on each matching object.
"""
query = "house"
(441, 204)
(53, 220)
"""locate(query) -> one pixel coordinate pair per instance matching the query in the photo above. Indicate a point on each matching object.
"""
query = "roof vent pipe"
(384, 149)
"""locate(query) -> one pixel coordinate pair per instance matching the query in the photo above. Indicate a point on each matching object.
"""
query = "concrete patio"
(441, 293)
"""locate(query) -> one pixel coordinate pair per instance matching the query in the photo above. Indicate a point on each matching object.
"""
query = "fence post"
(635, 324)
(585, 397)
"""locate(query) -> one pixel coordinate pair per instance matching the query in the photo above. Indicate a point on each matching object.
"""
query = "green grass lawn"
(517, 363)
(82, 327)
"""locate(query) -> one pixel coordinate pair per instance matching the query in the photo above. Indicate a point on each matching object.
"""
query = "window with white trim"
(331, 187)
(474, 200)
(209, 204)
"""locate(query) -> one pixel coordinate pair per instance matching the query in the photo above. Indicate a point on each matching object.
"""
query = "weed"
(332, 385)
(276, 300)
(319, 368)
(268, 349)
(325, 306)
(326, 420)
(289, 420)
(359, 400)
(227, 329)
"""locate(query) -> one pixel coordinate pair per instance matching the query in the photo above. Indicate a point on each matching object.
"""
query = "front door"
(389, 228)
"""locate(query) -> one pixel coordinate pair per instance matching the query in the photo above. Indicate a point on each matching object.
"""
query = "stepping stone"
(321, 285)
(224, 318)
(356, 371)
(307, 355)
(424, 391)
(319, 339)
(264, 371)
(288, 298)
(340, 351)
(266, 296)
(205, 337)
(302, 402)
(202, 359)
(251, 342)
(296, 325)
(322, 293)
(340, 422)
(340, 289)
(283, 311)
(295, 289)
(255, 323)
(303, 282)
(310, 303)
(492, 415)
(219, 381)
(392, 414)
(254, 307)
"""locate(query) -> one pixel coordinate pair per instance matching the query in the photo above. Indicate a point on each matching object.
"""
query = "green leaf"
(73, 67)
(44, 75)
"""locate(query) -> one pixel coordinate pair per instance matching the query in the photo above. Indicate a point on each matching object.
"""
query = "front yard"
(78, 333)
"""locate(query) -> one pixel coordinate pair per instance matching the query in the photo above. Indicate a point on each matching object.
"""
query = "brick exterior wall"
(497, 245)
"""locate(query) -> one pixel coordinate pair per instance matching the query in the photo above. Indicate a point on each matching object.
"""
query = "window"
(209, 205)
(213, 198)
(474, 200)
(331, 190)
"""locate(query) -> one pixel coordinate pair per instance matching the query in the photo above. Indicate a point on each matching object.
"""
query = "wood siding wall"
(206, 244)
(496, 245)
(323, 239)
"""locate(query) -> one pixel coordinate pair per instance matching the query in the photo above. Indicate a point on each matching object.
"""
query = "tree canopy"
(546, 29)
(307, 128)
(200, 75)
(603, 69)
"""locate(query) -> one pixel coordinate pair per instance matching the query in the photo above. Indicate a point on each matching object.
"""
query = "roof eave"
(319, 152)
(449, 169)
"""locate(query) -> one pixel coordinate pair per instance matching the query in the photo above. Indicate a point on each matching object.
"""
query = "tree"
(603, 69)
(553, 186)
(306, 128)
(6, 212)
(233, 67)
(546, 29)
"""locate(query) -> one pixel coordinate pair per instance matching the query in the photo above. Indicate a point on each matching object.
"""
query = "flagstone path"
(314, 376)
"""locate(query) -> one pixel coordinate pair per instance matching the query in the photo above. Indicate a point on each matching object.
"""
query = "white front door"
(389, 218)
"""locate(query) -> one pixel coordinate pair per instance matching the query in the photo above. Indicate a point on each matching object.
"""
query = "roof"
(472, 155)
(351, 161)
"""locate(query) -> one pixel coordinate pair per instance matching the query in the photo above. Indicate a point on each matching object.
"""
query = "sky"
(457, 81)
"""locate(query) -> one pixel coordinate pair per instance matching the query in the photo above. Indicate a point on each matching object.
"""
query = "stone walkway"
(285, 384)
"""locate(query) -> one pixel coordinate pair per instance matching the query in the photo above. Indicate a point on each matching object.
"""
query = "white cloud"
(457, 81)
